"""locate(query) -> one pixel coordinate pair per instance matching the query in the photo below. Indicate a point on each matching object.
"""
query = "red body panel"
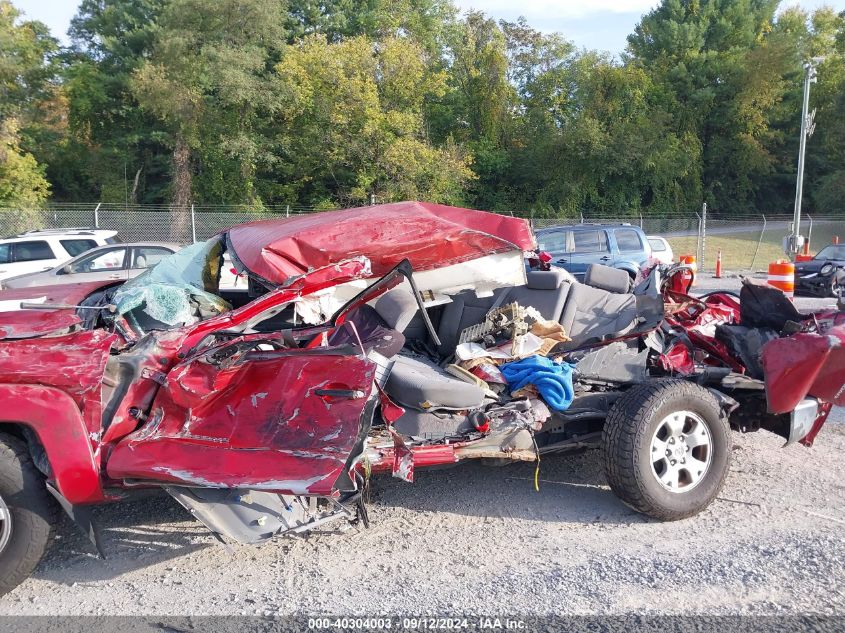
(805, 364)
(31, 323)
(258, 424)
(429, 235)
(65, 415)
(54, 417)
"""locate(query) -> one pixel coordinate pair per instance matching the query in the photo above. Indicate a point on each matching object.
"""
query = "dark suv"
(575, 247)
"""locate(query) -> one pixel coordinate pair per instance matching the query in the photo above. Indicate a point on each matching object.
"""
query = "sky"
(595, 24)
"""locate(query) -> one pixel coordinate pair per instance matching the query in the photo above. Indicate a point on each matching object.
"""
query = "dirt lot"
(476, 539)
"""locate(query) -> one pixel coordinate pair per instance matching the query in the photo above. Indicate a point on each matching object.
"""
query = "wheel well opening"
(24, 433)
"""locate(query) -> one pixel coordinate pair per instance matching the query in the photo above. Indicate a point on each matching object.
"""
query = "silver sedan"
(118, 262)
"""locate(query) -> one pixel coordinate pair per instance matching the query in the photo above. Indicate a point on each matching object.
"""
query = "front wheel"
(666, 448)
(27, 514)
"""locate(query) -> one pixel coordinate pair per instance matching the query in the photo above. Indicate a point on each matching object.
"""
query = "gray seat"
(591, 313)
(397, 308)
(546, 291)
(607, 278)
(419, 383)
(585, 312)
(435, 401)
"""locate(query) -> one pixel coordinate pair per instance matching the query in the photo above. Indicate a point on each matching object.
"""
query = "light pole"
(794, 242)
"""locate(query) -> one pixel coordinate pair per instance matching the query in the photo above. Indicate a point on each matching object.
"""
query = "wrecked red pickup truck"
(385, 339)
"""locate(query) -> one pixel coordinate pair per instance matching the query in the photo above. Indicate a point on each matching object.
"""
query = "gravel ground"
(477, 539)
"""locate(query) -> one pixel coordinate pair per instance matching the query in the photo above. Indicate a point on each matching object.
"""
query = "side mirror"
(67, 270)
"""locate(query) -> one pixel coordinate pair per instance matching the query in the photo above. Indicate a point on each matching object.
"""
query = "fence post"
(97, 215)
(698, 240)
(809, 232)
(641, 221)
(287, 211)
(193, 225)
(760, 241)
(703, 235)
(582, 217)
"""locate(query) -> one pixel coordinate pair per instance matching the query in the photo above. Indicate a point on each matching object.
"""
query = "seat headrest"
(607, 278)
(396, 307)
(546, 279)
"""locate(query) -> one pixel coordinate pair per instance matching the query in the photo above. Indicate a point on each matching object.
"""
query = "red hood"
(429, 235)
(17, 323)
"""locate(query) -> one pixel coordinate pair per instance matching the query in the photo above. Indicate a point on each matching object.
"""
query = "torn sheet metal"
(805, 364)
(267, 305)
(16, 323)
(245, 516)
(677, 360)
(429, 235)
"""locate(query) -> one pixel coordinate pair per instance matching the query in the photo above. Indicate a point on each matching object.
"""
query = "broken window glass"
(180, 290)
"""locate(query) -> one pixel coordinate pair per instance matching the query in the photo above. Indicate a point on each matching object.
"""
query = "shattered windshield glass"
(180, 290)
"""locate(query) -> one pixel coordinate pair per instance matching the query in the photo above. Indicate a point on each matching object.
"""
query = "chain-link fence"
(745, 242)
(140, 222)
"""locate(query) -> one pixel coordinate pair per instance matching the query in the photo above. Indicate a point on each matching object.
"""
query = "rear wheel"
(666, 448)
(27, 514)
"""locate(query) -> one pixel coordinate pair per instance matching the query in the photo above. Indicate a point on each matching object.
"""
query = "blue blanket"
(552, 380)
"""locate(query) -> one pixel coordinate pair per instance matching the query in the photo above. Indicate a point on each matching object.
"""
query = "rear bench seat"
(546, 291)
(586, 312)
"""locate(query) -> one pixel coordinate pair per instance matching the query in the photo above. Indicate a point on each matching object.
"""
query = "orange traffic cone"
(718, 274)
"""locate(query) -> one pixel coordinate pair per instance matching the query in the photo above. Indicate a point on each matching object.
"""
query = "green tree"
(27, 73)
(719, 79)
(475, 111)
(353, 125)
(424, 21)
(123, 150)
(22, 180)
(27, 55)
(209, 82)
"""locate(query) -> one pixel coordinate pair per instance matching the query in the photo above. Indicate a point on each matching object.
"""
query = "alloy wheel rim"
(5, 525)
(681, 451)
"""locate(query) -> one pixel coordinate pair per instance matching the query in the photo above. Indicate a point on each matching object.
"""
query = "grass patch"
(738, 248)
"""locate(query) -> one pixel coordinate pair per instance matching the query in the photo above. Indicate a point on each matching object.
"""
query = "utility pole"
(792, 245)
(703, 226)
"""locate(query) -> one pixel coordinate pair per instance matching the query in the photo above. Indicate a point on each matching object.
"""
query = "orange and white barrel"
(782, 277)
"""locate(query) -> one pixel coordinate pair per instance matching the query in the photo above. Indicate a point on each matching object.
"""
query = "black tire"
(32, 511)
(626, 441)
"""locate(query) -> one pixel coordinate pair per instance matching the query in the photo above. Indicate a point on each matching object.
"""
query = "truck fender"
(57, 422)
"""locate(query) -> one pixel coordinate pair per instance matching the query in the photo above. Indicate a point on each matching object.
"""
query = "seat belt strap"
(500, 300)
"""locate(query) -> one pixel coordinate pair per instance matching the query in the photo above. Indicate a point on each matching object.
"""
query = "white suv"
(35, 251)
